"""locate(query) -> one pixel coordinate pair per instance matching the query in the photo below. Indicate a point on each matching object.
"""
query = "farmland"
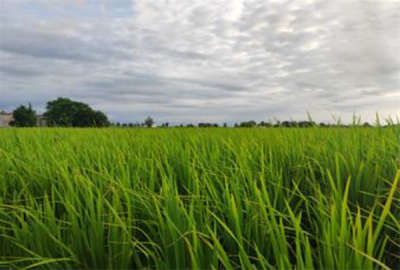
(200, 198)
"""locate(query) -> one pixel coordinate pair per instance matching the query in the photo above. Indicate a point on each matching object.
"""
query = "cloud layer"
(210, 60)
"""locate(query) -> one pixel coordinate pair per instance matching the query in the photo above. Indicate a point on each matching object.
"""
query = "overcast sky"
(204, 60)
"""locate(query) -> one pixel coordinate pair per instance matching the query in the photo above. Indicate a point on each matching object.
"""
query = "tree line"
(245, 124)
(64, 112)
(262, 124)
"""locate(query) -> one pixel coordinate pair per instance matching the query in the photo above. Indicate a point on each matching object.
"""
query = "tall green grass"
(200, 198)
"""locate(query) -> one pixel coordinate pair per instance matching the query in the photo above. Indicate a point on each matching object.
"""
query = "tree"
(149, 122)
(86, 117)
(264, 124)
(100, 119)
(288, 124)
(306, 124)
(24, 117)
(65, 112)
(207, 125)
(248, 124)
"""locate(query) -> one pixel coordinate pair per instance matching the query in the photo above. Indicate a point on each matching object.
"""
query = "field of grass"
(200, 198)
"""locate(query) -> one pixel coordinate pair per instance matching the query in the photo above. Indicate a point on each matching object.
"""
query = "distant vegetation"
(278, 198)
(24, 117)
(64, 112)
(254, 124)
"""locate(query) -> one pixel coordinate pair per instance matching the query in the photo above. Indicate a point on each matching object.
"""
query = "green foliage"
(87, 117)
(248, 124)
(316, 198)
(149, 122)
(207, 125)
(24, 117)
(64, 112)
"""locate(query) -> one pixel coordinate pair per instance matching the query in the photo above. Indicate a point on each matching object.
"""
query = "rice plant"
(316, 198)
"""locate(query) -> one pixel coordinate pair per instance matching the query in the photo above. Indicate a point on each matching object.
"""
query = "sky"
(190, 61)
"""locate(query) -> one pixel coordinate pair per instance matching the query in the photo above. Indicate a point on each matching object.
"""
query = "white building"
(41, 121)
(5, 119)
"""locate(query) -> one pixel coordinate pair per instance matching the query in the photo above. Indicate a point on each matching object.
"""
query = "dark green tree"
(86, 117)
(65, 112)
(207, 125)
(62, 111)
(149, 122)
(24, 116)
(248, 124)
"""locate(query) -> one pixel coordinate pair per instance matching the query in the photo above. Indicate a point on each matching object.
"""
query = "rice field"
(317, 198)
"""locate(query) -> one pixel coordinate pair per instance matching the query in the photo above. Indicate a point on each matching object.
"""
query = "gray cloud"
(214, 60)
